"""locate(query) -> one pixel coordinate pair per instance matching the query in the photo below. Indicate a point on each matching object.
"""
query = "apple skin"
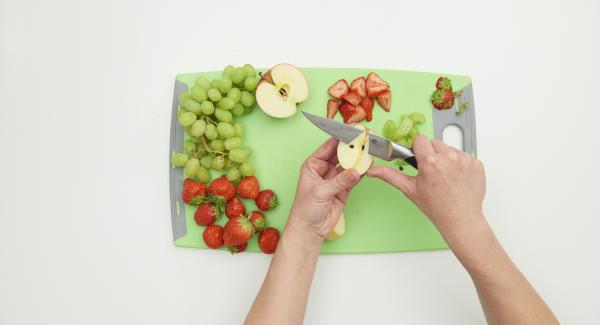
(281, 79)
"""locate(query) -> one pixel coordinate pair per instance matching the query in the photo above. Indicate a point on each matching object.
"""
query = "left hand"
(322, 191)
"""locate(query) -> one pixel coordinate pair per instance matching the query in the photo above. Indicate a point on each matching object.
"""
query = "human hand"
(321, 193)
(449, 188)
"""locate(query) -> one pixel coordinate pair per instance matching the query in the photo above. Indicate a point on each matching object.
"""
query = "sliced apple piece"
(339, 229)
(356, 153)
(280, 90)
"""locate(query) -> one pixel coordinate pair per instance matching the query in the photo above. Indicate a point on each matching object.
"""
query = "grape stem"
(211, 152)
(209, 120)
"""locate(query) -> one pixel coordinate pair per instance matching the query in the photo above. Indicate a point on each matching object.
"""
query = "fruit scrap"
(268, 240)
(332, 108)
(266, 200)
(206, 214)
(193, 192)
(213, 236)
(443, 83)
(442, 97)
(237, 230)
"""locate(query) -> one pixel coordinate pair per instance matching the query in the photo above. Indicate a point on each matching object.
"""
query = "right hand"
(449, 188)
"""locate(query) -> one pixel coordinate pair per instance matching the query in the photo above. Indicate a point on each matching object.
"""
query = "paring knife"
(381, 147)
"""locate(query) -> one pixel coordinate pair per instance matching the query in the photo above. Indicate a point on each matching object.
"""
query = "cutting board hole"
(453, 136)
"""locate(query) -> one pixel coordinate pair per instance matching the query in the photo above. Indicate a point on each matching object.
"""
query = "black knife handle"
(412, 161)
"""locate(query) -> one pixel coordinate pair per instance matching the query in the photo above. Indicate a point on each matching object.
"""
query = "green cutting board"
(379, 218)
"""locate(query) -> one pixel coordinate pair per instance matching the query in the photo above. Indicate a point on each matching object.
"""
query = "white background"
(85, 104)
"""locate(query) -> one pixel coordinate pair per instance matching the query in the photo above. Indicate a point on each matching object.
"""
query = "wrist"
(300, 236)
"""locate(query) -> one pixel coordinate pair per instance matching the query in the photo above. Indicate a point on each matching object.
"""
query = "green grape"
(206, 161)
(404, 142)
(180, 111)
(233, 174)
(389, 129)
(226, 103)
(246, 169)
(238, 110)
(192, 106)
(249, 109)
(203, 175)
(179, 159)
(198, 94)
(194, 139)
(217, 145)
(191, 167)
(250, 83)
(215, 83)
(247, 99)
(233, 143)
(187, 118)
(417, 118)
(237, 155)
(198, 128)
(239, 129)
(223, 115)
(229, 163)
(413, 133)
(214, 95)
(237, 76)
(409, 143)
(235, 94)
(225, 130)
(403, 117)
(248, 151)
(218, 163)
(228, 70)
(211, 132)
(207, 108)
(202, 82)
(404, 128)
(183, 96)
(189, 147)
(225, 85)
(249, 70)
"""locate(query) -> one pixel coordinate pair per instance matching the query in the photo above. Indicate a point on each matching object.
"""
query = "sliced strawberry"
(359, 85)
(375, 85)
(352, 113)
(385, 100)
(367, 104)
(353, 98)
(339, 89)
(332, 108)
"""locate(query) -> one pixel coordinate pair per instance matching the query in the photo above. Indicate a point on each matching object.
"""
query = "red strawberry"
(443, 83)
(385, 100)
(375, 85)
(221, 190)
(206, 214)
(359, 85)
(237, 248)
(193, 192)
(237, 230)
(258, 220)
(268, 239)
(213, 236)
(266, 200)
(247, 187)
(351, 113)
(234, 208)
(352, 98)
(367, 104)
(332, 108)
(442, 99)
(339, 89)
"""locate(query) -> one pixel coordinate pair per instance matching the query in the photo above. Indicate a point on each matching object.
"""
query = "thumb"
(404, 183)
(342, 181)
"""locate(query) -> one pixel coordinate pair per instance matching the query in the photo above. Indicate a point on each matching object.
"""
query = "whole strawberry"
(443, 83)
(206, 214)
(237, 230)
(193, 192)
(268, 239)
(442, 99)
(213, 236)
(266, 200)
(248, 187)
(235, 208)
(221, 190)
(259, 221)
(237, 248)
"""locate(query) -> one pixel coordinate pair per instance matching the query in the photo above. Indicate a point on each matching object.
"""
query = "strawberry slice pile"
(355, 101)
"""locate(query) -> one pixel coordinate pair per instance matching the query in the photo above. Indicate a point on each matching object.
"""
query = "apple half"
(356, 153)
(339, 229)
(280, 89)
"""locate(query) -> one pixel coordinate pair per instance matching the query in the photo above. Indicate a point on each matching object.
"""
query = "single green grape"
(229, 163)
(249, 70)
(191, 167)
(247, 98)
(183, 96)
(414, 132)
(238, 110)
(417, 118)
(225, 130)
(207, 108)
(389, 129)
(187, 118)
(403, 141)
(198, 128)
(235, 94)
(187, 130)
(180, 111)
(214, 95)
(223, 115)
(211, 132)
(403, 117)
(194, 139)
(192, 106)
(237, 76)
(202, 82)
(206, 161)
(249, 109)
(217, 145)
(239, 129)
(248, 151)
(233, 143)
(179, 159)
(189, 147)
(203, 175)
(246, 169)
(198, 93)
(233, 174)
(228, 70)
(226, 103)
(215, 83)
(225, 85)
(250, 83)
(218, 163)
(238, 155)
(404, 128)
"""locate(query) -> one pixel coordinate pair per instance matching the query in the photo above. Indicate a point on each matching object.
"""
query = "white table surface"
(85, 110)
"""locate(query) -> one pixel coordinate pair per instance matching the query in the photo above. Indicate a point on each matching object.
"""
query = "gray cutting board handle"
(176, 174)
(465, 122)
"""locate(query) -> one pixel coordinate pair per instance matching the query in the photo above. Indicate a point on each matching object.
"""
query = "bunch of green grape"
(404, 132)
(214, 139)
